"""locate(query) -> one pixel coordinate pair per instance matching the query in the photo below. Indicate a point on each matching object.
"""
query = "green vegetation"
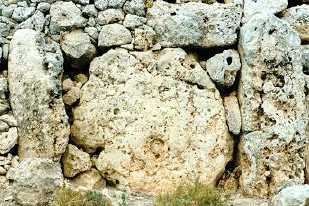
(195, 194)
(68, 197)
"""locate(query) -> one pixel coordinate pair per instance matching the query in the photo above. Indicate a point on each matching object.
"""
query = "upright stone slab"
(272, 100)
(34, 71)
(158, 117)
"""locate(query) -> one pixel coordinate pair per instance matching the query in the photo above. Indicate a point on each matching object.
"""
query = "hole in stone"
(192, 66)
(270, 32)
(229, 60)
(173, 14)
(116, 111)
(263, 75)
(171, 1)
(291, 96)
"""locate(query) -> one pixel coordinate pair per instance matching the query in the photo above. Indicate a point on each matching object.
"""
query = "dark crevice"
(232, 168)
(194, 84)
(204, 54)
(292, 3)
(3, 64)
(171, 1)
(14, 150)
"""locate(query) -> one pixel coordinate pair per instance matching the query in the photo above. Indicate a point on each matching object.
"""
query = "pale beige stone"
(35, 95)
(272, 101)
(160, 122)
(75, 161)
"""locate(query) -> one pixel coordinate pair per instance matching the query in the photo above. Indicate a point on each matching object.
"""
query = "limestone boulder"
(77, 48)
(8, 140)
(89, 180)
(222, 68)
(298, 18)
(65, 16)
(273, 109)
(35, 181)
(297, 195)
(114, 35)
(158, 117)
(194, 24)
(75, 161)
(252, 7)
(34, 71)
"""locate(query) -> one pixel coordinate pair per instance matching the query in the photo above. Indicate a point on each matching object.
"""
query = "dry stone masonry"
(131, 98)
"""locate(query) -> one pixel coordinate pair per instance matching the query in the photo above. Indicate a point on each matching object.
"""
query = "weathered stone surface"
(35, 22)
(298, 18)
(305, 58)
(35, 180)
(272, 101)
(136, 7)
(114, 35)
(239, 200)
(144, 38)
(252, 7)
(110, 16)
(89, 180)
(71, 96)
(8, 140)
(104, 4)
(75, 161)
(34, 71)
(233, 116)
(65, 16)
(297, 195)
(194, 24)
(133, 21)
(158, 116)
(22, 13)
(78, 48)
(223, 67)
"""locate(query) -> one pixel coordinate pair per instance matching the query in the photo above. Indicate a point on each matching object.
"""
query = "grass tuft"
(195, 194)
(67, 197)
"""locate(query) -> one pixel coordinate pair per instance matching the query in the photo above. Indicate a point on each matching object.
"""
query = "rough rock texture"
(298, 17)
(297, 195)
(222, 68)
(36, 97)
(77, 47)
(65, 16)
(114, 35)
(233, 116)
(194, 24)
(88, 180)
(305, 58)
(159, 126)
(252, 7)
(8, 140)
(35, 180)
(75, 161)
(272, 100)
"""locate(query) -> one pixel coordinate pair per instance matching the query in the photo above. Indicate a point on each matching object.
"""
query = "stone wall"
(139, 96)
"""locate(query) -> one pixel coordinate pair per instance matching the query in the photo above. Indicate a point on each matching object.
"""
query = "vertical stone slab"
(34, 71)
(273, 107)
